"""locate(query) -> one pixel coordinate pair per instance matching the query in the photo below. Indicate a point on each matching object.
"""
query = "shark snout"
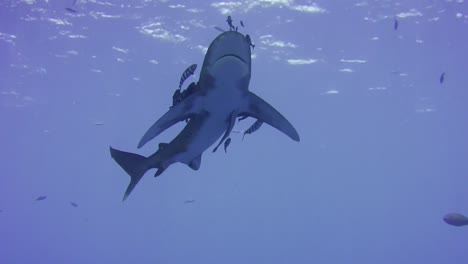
(230, 43)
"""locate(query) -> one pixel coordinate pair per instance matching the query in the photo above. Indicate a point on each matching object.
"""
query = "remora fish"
(222, 95)
(189, 71)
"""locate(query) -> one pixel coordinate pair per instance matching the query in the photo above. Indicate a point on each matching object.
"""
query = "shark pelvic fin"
(159, 171)
(264, 112)
(232, 122)
(189, 107)
(195, 163)
(133, 164)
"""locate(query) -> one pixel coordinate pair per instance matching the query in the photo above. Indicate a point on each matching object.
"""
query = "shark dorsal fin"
(195, 163)
(163, 145)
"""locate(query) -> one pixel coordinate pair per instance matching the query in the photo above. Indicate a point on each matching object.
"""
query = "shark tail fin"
(133, 164)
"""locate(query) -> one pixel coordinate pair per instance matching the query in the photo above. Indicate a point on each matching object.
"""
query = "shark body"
(222, 95)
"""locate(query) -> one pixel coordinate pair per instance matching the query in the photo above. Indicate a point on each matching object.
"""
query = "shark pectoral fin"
(195, 163)
(187, 108)
(232, 122)
(263, 111)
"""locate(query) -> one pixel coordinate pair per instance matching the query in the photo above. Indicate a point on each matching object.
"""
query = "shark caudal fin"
(133, 164)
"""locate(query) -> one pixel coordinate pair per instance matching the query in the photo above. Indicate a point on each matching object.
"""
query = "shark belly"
(220, 104)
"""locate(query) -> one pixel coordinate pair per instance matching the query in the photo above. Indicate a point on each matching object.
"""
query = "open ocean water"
(383, 155)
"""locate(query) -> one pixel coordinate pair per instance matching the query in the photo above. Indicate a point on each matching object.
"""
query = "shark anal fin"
(195, 163)
(134, 164)
(232, 122)
(264, 112)
(185, 109)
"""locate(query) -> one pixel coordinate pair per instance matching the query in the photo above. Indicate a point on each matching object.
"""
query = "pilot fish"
(187, 73)
(253, 128)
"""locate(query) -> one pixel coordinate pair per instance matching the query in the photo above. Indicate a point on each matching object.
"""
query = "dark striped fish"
(253, 128)
(189, 71)
(176, 98)
(395, 24)
(242, 23)
(229, 21)
(73, 204)
(226, 144)
(442, 78)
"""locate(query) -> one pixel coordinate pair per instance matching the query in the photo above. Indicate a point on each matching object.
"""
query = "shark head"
(228, 58)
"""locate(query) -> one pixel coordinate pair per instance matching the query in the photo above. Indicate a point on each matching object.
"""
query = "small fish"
(40, 198)
(250, 41)
(98, 123)
(442, 78)
(456, 219)
(219, 29)
(71, 10)
(189, 71)
(229, 21)
(180, 96)
(226, 144)
(189, 201)
(176, 98)
(395, 24)
(73, 204)
(242, 23)
(253, 128)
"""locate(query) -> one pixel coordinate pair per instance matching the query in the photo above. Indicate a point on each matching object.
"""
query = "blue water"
(382, 157)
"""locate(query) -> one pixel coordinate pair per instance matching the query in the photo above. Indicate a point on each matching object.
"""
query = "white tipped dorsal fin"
(195, 163)
(264, 112)
(185, 109)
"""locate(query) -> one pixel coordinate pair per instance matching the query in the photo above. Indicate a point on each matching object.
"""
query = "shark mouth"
(232, 55)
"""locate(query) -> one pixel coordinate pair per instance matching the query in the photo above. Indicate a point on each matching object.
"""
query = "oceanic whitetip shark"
(222, 95)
